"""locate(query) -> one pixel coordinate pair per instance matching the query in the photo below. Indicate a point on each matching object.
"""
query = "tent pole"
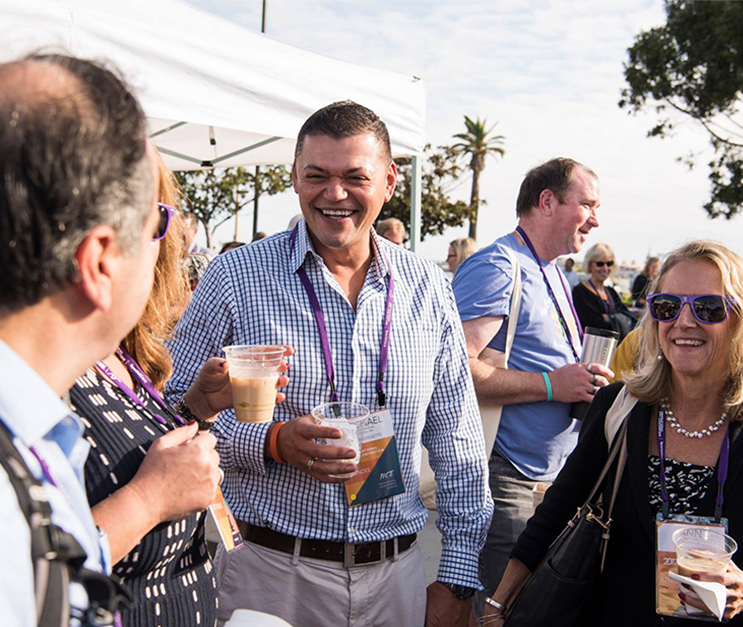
(415, 204)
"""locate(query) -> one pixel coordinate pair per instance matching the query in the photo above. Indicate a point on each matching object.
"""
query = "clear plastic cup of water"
(346, 417)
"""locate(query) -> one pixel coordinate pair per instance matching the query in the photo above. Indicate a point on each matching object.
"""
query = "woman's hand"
(211, 392)
(732, 579)
(179, 474)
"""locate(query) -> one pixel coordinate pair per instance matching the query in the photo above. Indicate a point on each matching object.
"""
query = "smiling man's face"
(342, 185)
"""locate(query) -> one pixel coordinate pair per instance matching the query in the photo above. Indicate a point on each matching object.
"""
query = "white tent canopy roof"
(214, 92)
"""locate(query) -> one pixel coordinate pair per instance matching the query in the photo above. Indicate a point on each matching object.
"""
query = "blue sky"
(549, 72)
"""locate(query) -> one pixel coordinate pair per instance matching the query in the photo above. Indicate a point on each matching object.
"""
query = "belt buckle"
(349, 555)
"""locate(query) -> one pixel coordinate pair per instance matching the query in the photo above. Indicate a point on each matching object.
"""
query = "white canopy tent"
(216, 94)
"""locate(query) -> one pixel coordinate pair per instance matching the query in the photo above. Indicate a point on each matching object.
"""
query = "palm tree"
(478, 143)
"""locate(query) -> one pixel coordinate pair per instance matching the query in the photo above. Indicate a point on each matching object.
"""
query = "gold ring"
(311, 463)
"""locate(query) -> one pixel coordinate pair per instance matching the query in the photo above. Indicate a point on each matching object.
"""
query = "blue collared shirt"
(37, 417)
(535, 437)
(253, 295)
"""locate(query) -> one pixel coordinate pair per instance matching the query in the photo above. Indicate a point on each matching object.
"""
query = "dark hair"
(345, 119)
(555, 175)
(72, 156)
(231, 246)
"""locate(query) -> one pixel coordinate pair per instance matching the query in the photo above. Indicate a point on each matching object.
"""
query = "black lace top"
(168, 574)
(687, 485)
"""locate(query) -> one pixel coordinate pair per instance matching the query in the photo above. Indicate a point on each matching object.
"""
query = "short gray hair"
(72, 156)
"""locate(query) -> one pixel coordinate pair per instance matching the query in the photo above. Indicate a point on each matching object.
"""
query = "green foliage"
(692, 67)
(439, 177)
(478, 143)
(215, 196)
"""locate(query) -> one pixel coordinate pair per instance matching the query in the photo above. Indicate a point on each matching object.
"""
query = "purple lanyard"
(563, 321)
(139, 375)
(608, 309)
(44, 467)
(722, 468)
(322, 329)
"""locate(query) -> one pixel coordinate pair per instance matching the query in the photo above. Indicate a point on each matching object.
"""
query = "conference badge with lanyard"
(378, 474)
(670, 576)
(219, 510)
(564, 324)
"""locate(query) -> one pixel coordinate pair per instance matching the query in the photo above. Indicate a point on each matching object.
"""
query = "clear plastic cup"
(702, 550)
(346, 417)
(254, 376)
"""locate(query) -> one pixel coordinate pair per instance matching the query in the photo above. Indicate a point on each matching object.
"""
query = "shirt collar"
(303, 246)
(28, 406)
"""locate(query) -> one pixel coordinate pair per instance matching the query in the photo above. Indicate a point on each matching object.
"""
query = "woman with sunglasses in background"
(688, 389)
(148, 477)
(595, 302)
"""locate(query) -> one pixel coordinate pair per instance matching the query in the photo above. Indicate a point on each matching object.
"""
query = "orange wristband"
(273, 442)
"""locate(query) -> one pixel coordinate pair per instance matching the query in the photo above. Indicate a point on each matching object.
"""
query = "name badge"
(378, 475)
(225, 522)
(667, 586)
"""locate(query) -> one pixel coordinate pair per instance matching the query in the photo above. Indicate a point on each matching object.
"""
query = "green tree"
(215, 196)
(692, 67)
(478, 143)
(438, 179)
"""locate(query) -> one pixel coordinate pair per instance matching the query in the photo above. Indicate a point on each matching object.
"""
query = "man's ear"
(98, 257)
(391, 182)
(547, 202)
(294, 177)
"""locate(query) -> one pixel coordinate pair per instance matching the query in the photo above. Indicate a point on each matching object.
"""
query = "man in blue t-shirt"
(556, 209)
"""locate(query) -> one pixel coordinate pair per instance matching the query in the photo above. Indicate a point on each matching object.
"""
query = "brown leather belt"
(350, 554)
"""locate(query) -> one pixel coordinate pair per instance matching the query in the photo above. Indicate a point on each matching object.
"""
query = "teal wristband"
(549, 386)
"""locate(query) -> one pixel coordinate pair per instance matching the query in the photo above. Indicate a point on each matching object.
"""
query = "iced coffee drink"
(702, 551)
(254, 376)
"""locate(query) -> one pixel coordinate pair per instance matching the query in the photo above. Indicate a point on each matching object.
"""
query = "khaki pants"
(320, 593)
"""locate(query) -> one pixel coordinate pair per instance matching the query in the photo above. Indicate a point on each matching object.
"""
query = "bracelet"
(495, 604)
(549, 386)
(184, 412)
(273, 442)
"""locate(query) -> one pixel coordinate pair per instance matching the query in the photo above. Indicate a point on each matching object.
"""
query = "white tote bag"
(490, 414)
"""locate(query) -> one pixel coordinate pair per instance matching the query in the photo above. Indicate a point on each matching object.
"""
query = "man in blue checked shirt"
(388, 336)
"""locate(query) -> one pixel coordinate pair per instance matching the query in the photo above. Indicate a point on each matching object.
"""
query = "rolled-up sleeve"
(454, 438)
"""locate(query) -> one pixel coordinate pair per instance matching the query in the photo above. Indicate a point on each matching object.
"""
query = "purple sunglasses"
(166, 213)
(707, 308)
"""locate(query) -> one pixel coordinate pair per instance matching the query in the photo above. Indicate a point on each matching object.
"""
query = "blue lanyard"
(722, 468)
(322, 329)
(563, 321)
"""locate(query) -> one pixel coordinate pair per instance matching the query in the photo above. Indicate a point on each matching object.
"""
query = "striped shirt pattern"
(252, 295)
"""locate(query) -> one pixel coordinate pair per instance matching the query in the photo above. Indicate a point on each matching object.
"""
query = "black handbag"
(622, 321)
(558, 590)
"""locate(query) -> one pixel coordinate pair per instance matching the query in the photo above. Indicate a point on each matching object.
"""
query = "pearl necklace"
(674, 423)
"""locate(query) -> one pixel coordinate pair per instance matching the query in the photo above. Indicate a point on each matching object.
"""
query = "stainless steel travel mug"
(598, 348)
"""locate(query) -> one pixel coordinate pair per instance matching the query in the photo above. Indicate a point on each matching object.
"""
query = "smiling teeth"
(336, 214)
(688, 342)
